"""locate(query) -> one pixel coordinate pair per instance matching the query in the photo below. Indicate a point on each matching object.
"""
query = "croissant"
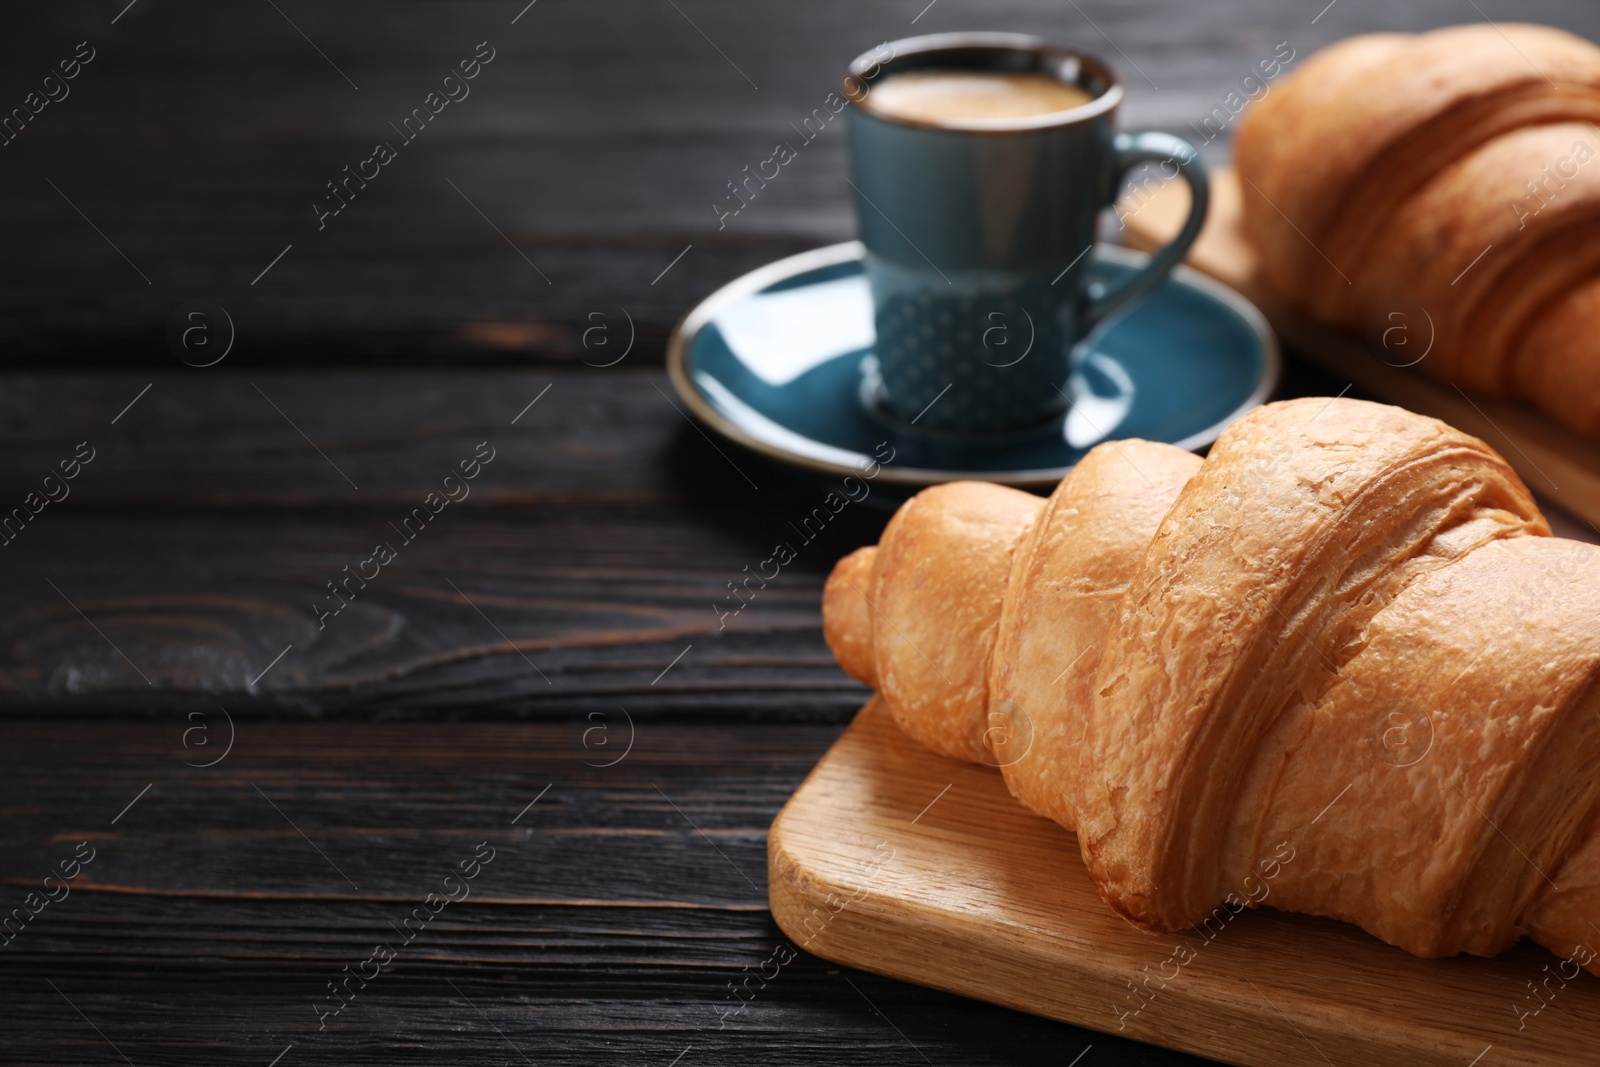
(1348, 629)
(1448, 178)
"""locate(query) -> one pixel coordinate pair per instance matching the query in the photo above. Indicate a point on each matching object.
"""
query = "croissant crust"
(1344, 645)
(1448, 178)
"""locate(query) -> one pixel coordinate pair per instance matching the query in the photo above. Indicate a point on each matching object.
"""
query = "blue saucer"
(780, 361)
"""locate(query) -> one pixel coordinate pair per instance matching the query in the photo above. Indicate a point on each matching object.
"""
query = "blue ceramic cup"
(978, 234)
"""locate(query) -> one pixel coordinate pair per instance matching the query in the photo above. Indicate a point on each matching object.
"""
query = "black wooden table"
(523, 758)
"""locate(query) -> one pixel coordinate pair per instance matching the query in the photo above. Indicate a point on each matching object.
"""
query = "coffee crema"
(945, 96)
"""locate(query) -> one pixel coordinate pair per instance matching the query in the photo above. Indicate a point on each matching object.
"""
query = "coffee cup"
(980, 164)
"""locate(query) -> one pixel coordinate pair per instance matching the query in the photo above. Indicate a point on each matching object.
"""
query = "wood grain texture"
(352, 439)
(1554, 462)
(590, 553)
(618, 914)
(923, 868)
(200, 136)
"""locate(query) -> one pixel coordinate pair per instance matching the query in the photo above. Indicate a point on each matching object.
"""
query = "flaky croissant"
(1447, 182)
(1348, 630)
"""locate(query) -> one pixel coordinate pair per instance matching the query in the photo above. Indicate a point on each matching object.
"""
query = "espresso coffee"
(965, 96)
(980, 164)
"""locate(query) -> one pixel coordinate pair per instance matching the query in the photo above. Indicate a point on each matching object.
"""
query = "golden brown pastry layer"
(938, 577)
(1062, 600)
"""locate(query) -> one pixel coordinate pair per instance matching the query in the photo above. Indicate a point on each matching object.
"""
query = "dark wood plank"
(549, 614)
(365, 439)
(611, 925)
(595, 547)
(596, 141)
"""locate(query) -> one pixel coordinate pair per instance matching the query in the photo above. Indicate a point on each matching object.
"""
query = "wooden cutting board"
(896, 860)
(1555, 462)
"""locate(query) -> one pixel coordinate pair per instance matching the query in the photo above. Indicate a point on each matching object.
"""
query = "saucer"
(780, 361)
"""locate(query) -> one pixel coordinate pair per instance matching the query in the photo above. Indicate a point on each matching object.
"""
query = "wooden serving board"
(1555, 462)
(896, 860)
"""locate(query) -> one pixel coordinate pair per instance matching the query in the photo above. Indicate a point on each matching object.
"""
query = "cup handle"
(1129, 150)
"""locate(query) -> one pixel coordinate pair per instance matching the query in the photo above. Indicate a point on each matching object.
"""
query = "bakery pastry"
(1451, 176)
(1348, 630)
